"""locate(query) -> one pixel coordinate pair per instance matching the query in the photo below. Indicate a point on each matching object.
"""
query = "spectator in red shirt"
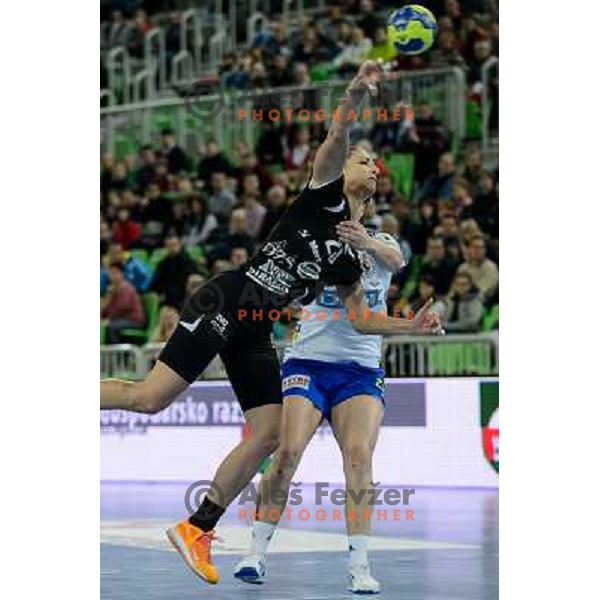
(121, 307)
(125, 231)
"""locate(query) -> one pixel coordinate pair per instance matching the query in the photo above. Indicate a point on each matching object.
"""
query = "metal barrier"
(124, 361)
(404, 356)
(443, 89)
(457, 354)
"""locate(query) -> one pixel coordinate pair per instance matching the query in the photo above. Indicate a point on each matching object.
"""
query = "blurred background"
(188, 190)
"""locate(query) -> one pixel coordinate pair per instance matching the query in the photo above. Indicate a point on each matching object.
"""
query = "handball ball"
(411, 29)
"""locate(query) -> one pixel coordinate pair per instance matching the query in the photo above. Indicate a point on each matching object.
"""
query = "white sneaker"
(251, 569)
(361, 581)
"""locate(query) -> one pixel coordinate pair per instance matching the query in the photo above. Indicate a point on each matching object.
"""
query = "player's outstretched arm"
(331, 155)
(370, 323)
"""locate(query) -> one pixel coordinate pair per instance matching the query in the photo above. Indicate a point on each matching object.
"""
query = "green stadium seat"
(491, 319)
(156, 256)
(151, 304)
(140, 254)
(322, 72)
(402, 167)
(196, 252)
(102, 332)
(473, 119)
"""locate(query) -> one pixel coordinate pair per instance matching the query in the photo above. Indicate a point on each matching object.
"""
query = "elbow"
(361, 325)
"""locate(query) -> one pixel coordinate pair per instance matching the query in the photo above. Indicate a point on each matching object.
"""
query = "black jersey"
(303, 251)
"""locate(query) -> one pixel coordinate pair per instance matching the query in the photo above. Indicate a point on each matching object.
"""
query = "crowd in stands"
(171, 218)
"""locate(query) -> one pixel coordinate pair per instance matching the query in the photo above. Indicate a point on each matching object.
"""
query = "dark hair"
(428, 279)
(465, 274)
(116, 265)
(167, 131)
(436, 238)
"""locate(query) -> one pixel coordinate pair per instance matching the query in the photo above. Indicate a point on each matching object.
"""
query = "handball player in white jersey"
(331, 371)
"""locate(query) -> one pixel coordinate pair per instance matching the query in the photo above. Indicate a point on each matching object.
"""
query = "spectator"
(440, 185)
(480, 269)
(222, 200)
(238, 257)
(461, 195)
(168, 319)
(384, 194)
(172, 272)
(135, 271)
(276, 206)
(255, 211)
(348, 60)
(473, 169)
(368, 21)
(426, 291)
(156, 213)
(105, 236)
(482, 51)
(297, 153)
(446, 52)
(249, 164)
(426, 139)
(213, 160)
(122, 307)
(146, 173)
(120, 179)
(269, 149)
(486, 207)
(124, 230)
(448, 230)
(438, 266)
(193, 283)
(200, 223)
(280, 74)
(176, 158)
(463, 307)
(237, 236)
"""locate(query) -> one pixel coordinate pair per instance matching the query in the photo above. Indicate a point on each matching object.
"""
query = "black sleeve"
(330, 194)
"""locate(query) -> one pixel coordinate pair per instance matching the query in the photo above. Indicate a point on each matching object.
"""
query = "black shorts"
(211, 324)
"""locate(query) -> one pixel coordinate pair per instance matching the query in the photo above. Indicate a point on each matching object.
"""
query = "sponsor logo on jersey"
(296, 381)
(274, 278)
(335, 249)
(314, 247)
(309, 270)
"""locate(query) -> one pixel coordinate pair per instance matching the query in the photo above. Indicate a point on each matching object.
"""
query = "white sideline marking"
(151, 535)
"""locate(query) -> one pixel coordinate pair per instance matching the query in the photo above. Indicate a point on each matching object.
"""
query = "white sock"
(357, 546)
(261, 536)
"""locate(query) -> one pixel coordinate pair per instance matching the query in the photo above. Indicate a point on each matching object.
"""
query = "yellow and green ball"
(412, 29)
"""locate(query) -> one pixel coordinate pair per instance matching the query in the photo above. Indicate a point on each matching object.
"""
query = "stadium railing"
(194, 119)
(405, 356)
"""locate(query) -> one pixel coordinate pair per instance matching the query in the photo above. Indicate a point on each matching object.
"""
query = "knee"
(267, 439)
(287, 459)
(357, 456)
(146, 400)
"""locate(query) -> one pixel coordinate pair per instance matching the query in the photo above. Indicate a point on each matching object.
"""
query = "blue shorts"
(328, 384)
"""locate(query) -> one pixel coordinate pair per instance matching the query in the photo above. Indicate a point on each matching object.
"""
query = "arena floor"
(449, 551)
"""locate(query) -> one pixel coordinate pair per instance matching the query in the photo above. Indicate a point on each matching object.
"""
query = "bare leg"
(242, 463)
(299, 422)
(161, 386)
(355, 424)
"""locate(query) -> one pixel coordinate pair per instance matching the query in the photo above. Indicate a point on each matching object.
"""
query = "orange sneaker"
(194, 546)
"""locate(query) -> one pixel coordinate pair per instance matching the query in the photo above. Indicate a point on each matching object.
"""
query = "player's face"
(360, 173)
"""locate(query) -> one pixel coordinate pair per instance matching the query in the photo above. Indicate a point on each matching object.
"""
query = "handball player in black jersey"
(302, 253)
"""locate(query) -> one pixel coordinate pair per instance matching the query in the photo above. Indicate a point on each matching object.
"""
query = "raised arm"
(331, 155)
(369, 323)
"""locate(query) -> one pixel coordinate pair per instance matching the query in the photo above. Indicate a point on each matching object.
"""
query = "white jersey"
(327, 334)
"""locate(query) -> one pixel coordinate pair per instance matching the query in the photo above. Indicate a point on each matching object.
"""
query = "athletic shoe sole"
(182, 549)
